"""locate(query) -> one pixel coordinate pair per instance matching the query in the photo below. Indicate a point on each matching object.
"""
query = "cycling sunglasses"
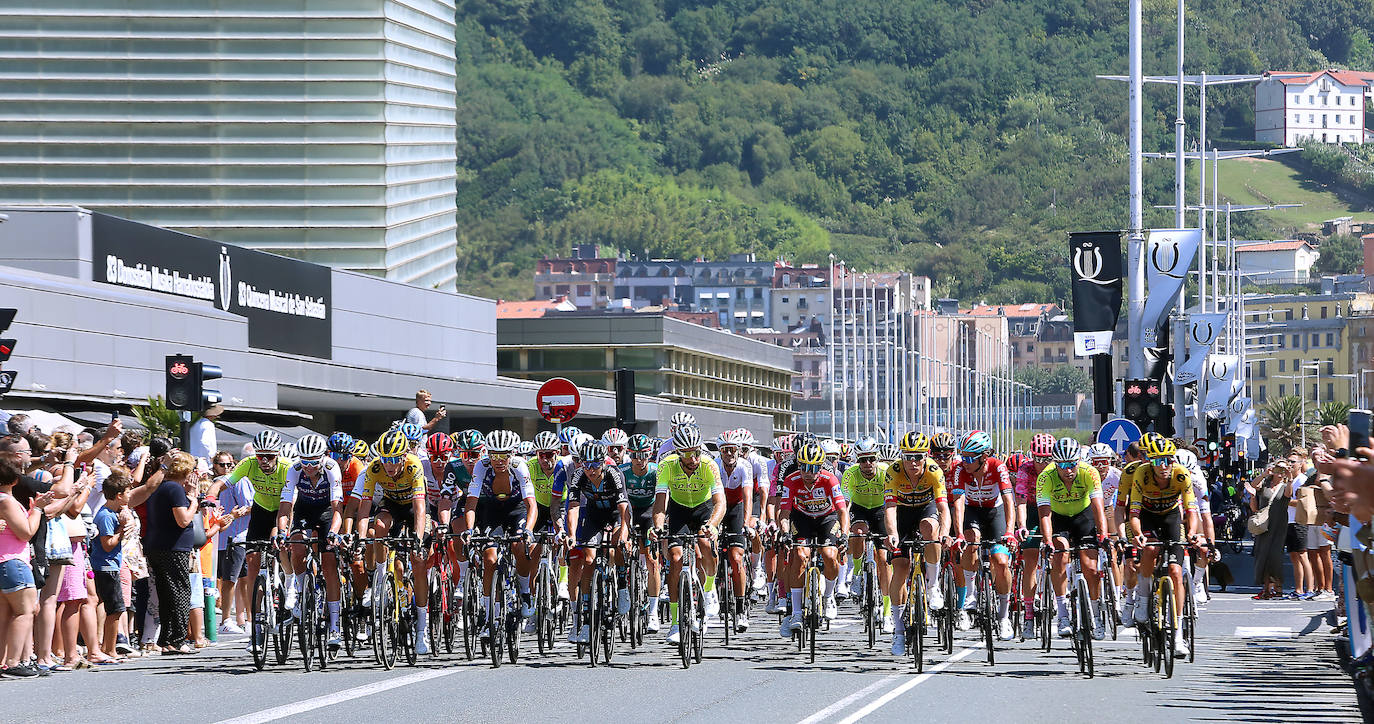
(393, 460)
(471, 455)
(267, 457)
(810, 467)
(639, 456)
(1041, 458)
(340, 457)
(913, 457)
(498, 457)
(868, 459)
(1162, 461)
(441, 457)
(312, 462)
(729, 448)
(548, 454)
(593, 464)
(693, 453)
(1067, 465)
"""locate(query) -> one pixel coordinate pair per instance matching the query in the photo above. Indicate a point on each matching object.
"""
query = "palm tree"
(1283, 424)
(1334, 412)
(158, 420)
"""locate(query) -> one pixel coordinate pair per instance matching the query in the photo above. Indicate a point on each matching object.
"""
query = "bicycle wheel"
(348, 625)
(1016, 608)
(869, 605)
(451, 616)
(814, 605)
(1190, 622)
(379, 615)
(1108, 603)
(699, 618)
(684, 616)
(1045, 615)
(436, 611)
(260, 623)
(1168, 650)
(515, 622)
(471, 600)
(947, 623)
(635, 621)
(385, 632)
(541, 607)
(284, 634)
(988, 611)
(609, 614)
(321, 619)
(915, 619)
(591, 618)
(1083, 632)
(496, 616)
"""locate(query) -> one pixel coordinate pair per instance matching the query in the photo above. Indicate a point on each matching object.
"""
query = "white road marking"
(885, 698)
(1264, 632)
(319, 702)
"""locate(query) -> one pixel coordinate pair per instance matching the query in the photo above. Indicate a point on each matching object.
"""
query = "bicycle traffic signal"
(185, 381)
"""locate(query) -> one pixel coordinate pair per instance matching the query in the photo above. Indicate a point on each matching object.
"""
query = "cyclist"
(313, 500)
(983, 510)
(438, 454)
(266, 473)
(396, 483)
(814, 494)
(692, 499)
(782, 453)
(596, 500)
(342, 449)
(762, 481)
(738, 481)
(1161, 509)
(565, 441)
(615, 441)
(501, 501)
(1028, 515)
(544, 467)
(1202, 508)
(678, 421)
(641, 482)
(1131, 460)
(1069, 498)
(832, 457)
(915, 502)
(864, 486)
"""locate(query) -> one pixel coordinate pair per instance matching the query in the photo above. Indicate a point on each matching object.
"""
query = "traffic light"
(1164, 419)
(1213, 435)
(624, 398)
(1135, 402)
(186, 379)
(6, 349)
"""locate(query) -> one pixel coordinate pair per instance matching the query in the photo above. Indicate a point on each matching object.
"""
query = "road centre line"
(885, 698)
(338, 697)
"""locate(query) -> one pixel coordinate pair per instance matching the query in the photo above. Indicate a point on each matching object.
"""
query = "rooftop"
(1291, 245)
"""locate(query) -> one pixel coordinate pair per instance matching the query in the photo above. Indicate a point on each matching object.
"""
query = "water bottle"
(211, 610)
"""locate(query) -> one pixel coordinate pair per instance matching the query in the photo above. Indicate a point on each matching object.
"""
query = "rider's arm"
(717, 508)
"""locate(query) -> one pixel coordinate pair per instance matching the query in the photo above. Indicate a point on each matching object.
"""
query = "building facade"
(1301, 346)
(587, 283)
(800, 296)
(673, 360)
(1326, 106)
(318, 131)
(1277, 262)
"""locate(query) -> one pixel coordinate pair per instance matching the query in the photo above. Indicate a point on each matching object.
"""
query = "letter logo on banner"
(225, 279)
(1171, 253)
(1202, 332)
(1221, 382)
(1096, 262)
(1089, 268)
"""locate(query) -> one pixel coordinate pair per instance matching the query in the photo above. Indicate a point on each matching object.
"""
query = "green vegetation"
(1060, 379)
(958, 139)
(1265, 181)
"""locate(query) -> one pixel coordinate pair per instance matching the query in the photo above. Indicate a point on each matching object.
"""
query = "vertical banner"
(1237, 411)
(1169, 256)
(1203, 330)
(1221, 378)
(1095, 257)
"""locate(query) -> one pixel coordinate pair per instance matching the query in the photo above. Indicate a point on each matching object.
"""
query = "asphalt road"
(1257, 661)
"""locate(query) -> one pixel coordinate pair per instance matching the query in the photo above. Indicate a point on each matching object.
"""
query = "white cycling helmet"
(687, 437)
(575, 445)
(682, 419)
(267, 441)
(311, 447)
(290, 451)
(502, 441)
(1101, 451)
(1067, 450)
(1186, 458)
(866, 446)
(546, 442)
(830, 447)
(615, 437)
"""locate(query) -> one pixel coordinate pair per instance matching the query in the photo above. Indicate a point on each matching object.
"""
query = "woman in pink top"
(17, 595)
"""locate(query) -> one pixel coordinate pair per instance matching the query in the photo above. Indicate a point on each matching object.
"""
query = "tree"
(1035, 377)
(1341, 254)
(1068, 380)
(158, 420)
(1282, 424)
(1334, 412)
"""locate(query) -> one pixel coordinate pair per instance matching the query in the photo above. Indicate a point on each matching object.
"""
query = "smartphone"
(114, 417)
(1358, 422)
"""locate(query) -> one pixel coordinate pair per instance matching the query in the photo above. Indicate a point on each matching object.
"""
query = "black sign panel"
(286, 301)
(1095, 258)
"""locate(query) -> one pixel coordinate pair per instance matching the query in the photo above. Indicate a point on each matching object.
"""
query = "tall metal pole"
(870, 364)
(1135, 310)
(830, 347)
(1179, 341)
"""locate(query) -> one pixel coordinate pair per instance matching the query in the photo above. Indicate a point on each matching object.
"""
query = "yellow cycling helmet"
(1156, 445)
(392, 444)
(810, 454)
(915, 442)
(361, 450)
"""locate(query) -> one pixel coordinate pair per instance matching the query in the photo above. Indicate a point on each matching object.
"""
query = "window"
(1263, 395)
(1323, 125)
(1297, 341)
(1352, 121)
(584, 290)
(1323, 311)
(1297, 100)
(816, 367)
(1283, 390)
(1288, 314)
(1316, 339)
(1311, 118)
(1263, 373)
(1283, 364)
(1324, 98)
(1297, 118)
(1330, 340)
(1330, 391)
(1330, 367)
(1311, 100)
(562, 289)
(784, 300)
(786, 318)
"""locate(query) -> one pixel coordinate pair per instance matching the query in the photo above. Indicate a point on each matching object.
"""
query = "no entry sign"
(558, 400)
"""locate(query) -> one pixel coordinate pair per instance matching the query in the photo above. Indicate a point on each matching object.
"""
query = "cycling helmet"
(686, 437)
(290, 451)
(915, 442)
(1101, 451)
(810, 454)
(615, 437)
(502, 441)
(392, 443)
(887, 452)
(942, 441)
(592, 450)
(1014, 462)
(525, 449)
(782, 443)
(311, 447)
(414, 433)
(682, 419)
(866, 446)
(1042, 445)
(1186, 458)
(641, 444)
(341, 443)
(1156, 445)
(976, 442)
(438, 445)
(469, 441)
(830, 447)
(361, 449)
(567, 434)
(802, 438)
(546, 442)
(267, 441)
(1066, 450)
(747, 438)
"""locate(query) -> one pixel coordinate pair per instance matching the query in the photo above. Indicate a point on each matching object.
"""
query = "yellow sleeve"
(1186, 497)
(1136, 492)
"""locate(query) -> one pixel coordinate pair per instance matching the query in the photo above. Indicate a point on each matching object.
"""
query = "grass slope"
(1262, 181)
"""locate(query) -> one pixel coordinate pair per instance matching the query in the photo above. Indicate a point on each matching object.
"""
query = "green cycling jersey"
(686, 490)
(1071, 498)
(267, 487)
(862, 491)
(543, 484)
(640, 488)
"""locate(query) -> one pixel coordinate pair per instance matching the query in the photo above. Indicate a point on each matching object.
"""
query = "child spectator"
(107, 554)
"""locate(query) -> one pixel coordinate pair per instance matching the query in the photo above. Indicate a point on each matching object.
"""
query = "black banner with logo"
(1095, 258)
(286, 301)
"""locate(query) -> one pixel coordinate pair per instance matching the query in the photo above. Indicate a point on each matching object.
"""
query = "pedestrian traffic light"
(185, 380)
(7, 345)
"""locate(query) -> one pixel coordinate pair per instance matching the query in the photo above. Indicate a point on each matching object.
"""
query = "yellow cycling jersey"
(1152, 496)
(928, 488)
(408, 484)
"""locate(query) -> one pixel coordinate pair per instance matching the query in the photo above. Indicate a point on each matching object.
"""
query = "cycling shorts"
(823, 531)
(501, 516)
(312, 517)
(1078, 529)
(1165, 527)
(909, 521)
(261, 521)
(732, 525)
(990, 523)
(402, 516)
(876, 518)
(683, 520)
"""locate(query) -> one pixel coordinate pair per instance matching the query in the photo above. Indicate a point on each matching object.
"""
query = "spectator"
(18, 598)
(231, 544)
(172, 507)
(1269, 497)
(417, 413)
(107, 555)
(1296, 538)
(77, 611)
(18, 424)
(134, 448)
(202, 437)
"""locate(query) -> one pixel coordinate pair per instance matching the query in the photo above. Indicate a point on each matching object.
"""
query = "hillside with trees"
(957, 139)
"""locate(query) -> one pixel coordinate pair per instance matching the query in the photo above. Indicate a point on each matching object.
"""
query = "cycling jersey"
(267, 487)
(602, 496)
(689, 491)
(982, 490)
(457, 478)
(737, 481)
(484, 480)
(326, 488)
(1110, 485)
(640, 488)
(1068, 498)
(1150, 495)
(1123, 496)
(901, 491)
(1026, 475)
(815, 499)
(408, 484)
(762, 471)
(350, 473)
(864, 492)
(542, 482)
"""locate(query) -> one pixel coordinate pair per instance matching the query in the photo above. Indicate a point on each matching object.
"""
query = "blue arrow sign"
(1119, 434)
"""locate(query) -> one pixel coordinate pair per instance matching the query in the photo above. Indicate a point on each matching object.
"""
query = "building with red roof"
(1323, 105)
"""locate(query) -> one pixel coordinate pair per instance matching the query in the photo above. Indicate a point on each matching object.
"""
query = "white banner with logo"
(1237, 410)
(1203, 330)
(1169, 255)
(1223, 382)
(1087, 344)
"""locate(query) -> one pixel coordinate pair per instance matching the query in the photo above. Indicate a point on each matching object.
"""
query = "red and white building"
(1326, 106)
